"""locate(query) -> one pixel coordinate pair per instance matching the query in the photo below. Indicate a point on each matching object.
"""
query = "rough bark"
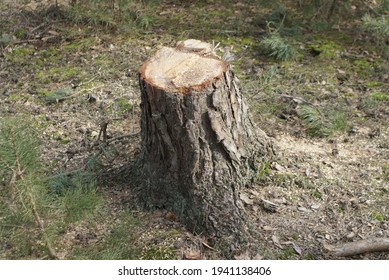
(199, 145)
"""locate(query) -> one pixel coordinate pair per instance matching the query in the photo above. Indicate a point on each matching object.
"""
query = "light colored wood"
(362, 247)
(189, 66)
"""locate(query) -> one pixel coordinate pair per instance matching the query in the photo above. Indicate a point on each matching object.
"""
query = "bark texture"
(199, 145)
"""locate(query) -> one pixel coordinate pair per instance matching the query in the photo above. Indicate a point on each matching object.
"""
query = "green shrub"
(378, 28)
(313, 119)
(323, 124)
(276, 46)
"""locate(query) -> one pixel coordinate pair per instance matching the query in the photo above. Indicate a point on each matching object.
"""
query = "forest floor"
(327, 112)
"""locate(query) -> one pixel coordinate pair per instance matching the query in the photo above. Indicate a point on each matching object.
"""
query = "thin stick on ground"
(361, 247)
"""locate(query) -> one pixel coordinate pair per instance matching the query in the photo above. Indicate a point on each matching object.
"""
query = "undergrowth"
(22, 184)
(378, 29)
(125, 15)
(37, 209)
(276, 46)
(323, 123)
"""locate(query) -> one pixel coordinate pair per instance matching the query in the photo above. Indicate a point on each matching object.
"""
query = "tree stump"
(199, 146)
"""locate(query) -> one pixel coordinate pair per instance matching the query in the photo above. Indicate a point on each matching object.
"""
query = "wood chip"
(315, 206)
(268, 205)
(296, 248)
(268, 228)
(192, 255)
(258, 257)
(276, 241)
(243, 256)
(245, 198)
(276, 166)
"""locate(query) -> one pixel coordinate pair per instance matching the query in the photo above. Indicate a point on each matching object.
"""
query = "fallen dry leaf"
(243, 256)
(192, 255)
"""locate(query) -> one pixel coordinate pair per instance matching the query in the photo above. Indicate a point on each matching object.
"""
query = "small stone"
(302, 209)
(315, 206)
(94, 134)
(268, 228)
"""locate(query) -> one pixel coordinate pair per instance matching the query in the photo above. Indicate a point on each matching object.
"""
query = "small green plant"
(288, 254)
(337, 121)
(146, 22)
(380, 96)
(376, 215)
(313, 119)
(317, 194)
(373, 84)
(159, 253)
(20, 168)
(123, 14)
(118, 244)
(320, 124)
(276, 46)
(5, 39)
(80, 202)
(263, 171)
(378, 28)
(35, 210)
(57, 95)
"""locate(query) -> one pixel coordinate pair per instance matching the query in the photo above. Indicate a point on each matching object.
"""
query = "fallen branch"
(361, 247)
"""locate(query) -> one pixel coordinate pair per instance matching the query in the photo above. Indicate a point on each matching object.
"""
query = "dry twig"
(361, 247)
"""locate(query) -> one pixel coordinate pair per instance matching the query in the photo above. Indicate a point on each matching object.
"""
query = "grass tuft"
(276, 46)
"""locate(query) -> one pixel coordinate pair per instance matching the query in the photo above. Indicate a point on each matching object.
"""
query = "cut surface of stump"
(176, 71)
(199, 146)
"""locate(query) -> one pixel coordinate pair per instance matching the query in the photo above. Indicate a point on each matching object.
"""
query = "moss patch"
(20, 55)
(326, 48)
(380, 96)
(58, 74)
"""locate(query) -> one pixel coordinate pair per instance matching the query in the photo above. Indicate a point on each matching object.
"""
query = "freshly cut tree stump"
(199, 145)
